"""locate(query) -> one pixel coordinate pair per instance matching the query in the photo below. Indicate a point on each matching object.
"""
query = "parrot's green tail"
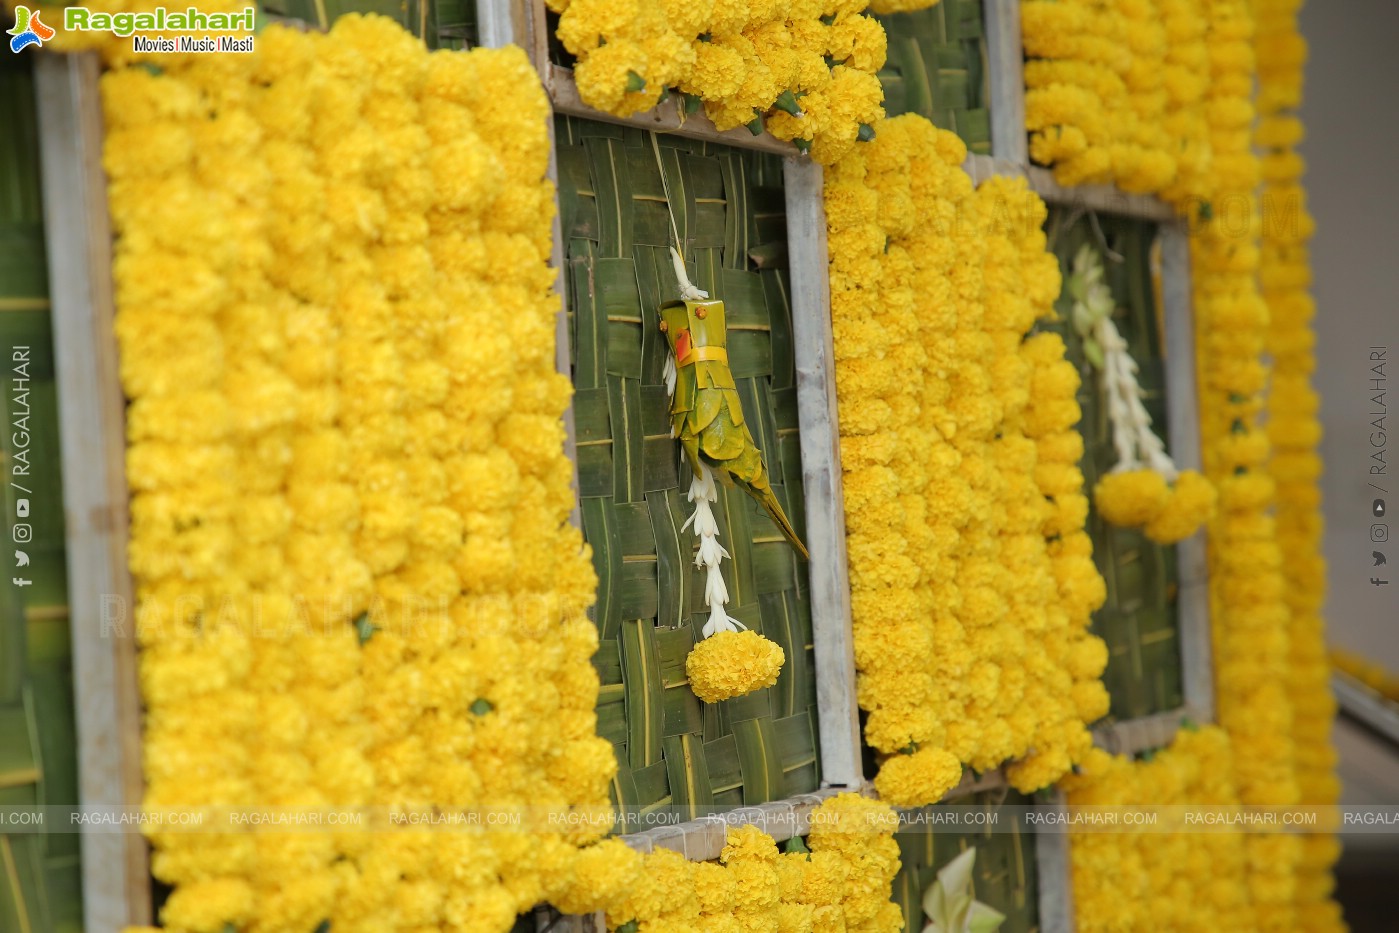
(770, 505)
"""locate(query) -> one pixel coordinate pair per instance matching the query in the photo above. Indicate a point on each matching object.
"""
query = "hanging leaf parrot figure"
(705, 411)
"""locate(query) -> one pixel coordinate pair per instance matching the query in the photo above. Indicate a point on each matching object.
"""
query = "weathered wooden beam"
(1183, 409)
(1005, 65)
(821, 475)
(703, 839)
(1364, 707)
(666, 118)
(1143, 733)
(92, 431)
(1104, 198)
(1054, 873)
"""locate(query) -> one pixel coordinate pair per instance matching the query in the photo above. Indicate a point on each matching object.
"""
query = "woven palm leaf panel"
(616, 215)
(441, 24)
(1139, 619)
(1003, 877)
(39, 872)
(937, 68)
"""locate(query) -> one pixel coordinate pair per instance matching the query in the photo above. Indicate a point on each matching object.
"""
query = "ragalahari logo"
(28, 30)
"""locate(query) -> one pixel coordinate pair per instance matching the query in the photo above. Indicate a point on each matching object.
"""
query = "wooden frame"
(92, 430)
(1006, 64)
(115, 867)
(1056, 888)
(838, 713)
(667, 118)
(1182, 399)
(1365, 708)
(839, 730)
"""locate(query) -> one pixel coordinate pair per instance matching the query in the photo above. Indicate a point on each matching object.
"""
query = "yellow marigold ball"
(850, 824)
(1131, 499)
(209, 904)
(1037, 770)
(1191, 504)
(1087, 658)
(731, 664)
(602, 874)
(918, 779)
(1090, 699)
(794, 918)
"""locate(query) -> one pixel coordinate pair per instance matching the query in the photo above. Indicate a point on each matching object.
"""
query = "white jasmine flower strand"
(1132, 435)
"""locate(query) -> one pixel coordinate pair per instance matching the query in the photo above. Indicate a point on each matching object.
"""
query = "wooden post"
(666, 117)
(495, 23)
(1183, 404)
(1131, 736)
(1365, 708)
(1005, 64)
(821, 476)
(1054, 872)
(92, 431)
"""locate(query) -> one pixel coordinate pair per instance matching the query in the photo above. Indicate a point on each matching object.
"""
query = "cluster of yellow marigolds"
(1294, 430)
(1166, 512)
(1160, 880)
(802, 69)
(971, 577)
(1270, 662)
(1115, 92)
(356, 582)
(838, 881)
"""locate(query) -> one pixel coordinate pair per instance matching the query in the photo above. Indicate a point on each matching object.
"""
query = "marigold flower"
(1191, 505)
(917, 779)
(732, 664)
(1131, 498)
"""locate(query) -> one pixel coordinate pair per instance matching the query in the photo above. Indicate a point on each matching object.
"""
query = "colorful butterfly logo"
(28, 30)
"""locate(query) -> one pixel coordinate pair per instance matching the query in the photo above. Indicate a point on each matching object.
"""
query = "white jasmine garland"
(1137, 444)
(702, 493)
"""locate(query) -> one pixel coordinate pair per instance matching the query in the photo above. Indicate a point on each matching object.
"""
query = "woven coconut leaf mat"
(620, 190)
(1003, 877)
(1139, 620)
(937, 68)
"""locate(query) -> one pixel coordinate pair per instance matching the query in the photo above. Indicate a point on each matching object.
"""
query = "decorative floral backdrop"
(356, 581)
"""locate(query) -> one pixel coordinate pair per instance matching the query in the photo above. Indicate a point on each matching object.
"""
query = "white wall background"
(1352, 150)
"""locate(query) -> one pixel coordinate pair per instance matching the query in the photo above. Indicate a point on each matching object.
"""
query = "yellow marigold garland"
(356, 585)
(1248, 615)
(804, 70)
(842, 882)
(1115, 93)
(1160, 881)
(1270, 676)
(1294, 430)
(960, 462)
